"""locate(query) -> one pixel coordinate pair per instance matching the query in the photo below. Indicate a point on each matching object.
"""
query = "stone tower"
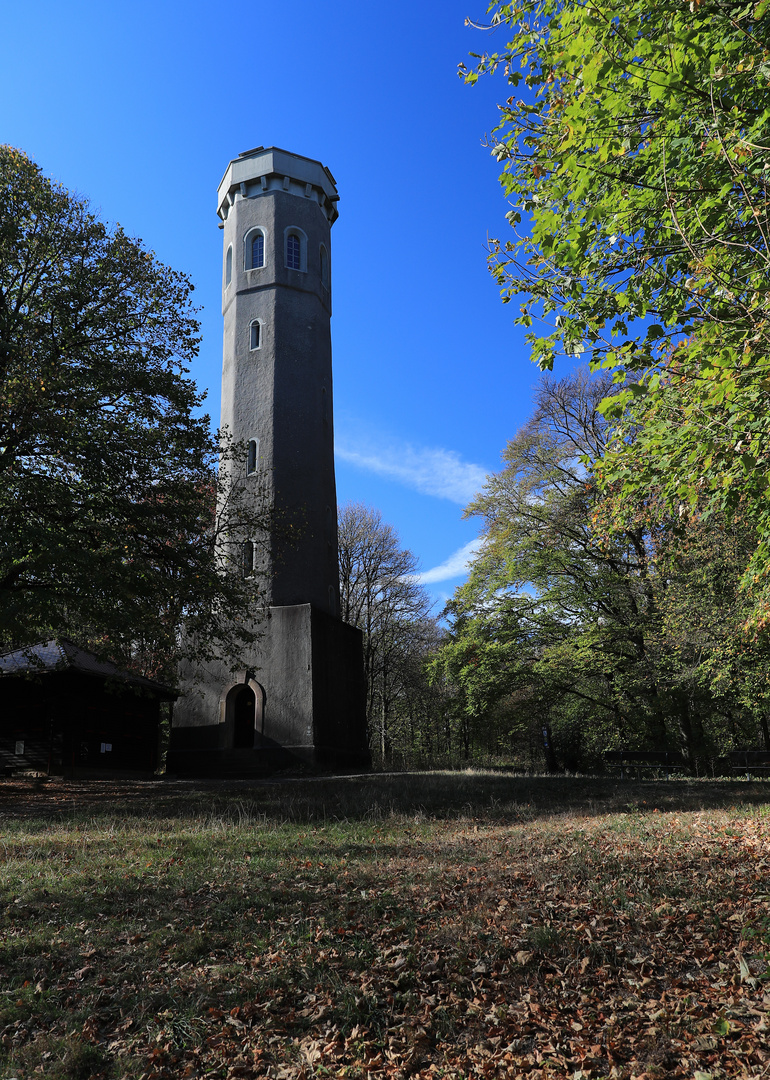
(277, 210)
(301, 692)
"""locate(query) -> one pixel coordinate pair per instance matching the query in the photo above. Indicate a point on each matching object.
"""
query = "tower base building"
(300, 694)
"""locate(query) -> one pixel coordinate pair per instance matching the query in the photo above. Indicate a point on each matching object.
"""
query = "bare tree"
(380, 593)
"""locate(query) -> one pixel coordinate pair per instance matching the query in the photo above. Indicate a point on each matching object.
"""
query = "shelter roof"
(55, 656)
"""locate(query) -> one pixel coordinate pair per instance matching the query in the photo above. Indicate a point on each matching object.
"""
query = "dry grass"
(426, 926)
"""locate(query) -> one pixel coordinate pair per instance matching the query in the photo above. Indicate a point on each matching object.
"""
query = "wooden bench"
(636, 761)
(750, 761)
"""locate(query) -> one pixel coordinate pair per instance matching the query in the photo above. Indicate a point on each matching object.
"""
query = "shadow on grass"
(482, 796)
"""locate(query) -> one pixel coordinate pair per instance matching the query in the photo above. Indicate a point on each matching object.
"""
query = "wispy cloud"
(455, 566)
(429, 470)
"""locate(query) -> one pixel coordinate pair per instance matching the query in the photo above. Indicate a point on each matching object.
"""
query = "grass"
(378, 927)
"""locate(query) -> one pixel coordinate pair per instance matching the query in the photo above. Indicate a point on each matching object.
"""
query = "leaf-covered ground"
(502, 941)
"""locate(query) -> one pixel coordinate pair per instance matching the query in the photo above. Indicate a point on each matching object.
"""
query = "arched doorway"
(244, 717)
(244, 713)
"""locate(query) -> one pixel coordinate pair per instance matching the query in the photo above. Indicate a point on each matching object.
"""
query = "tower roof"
(254, 165)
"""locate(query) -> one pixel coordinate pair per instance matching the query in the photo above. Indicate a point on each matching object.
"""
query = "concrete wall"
(311, 668)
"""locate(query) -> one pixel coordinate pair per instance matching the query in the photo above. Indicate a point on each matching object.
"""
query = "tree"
(117, 526)
(638, 160)
(590, 640)
(380, 594)
(552, 621)
(716, 680)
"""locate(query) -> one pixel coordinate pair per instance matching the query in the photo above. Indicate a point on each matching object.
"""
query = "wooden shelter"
(64, 710)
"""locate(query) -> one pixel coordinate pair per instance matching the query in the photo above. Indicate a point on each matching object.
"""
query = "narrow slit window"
(229, 266)
(252, 456)
(293, 251)
(255, 335)
(324, 268)
(247, 558)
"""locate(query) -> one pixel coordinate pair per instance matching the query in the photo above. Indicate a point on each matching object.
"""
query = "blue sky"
(140, 106)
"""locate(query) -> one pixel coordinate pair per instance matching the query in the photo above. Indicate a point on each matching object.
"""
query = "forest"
(568, 638)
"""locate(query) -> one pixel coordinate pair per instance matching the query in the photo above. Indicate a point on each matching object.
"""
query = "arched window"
(293, 252)
(255, 335)
(295, 248)
(324, 267)
(247, 558)
(257, 251)
(254, 250)
(252, 456)
(229, 266)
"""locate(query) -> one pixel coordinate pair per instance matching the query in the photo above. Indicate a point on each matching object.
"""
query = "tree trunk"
(684, 721)
(550, 757)
(765, 731)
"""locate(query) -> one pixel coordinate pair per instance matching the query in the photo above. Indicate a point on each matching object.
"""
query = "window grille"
(293, 251)
(257, 251)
